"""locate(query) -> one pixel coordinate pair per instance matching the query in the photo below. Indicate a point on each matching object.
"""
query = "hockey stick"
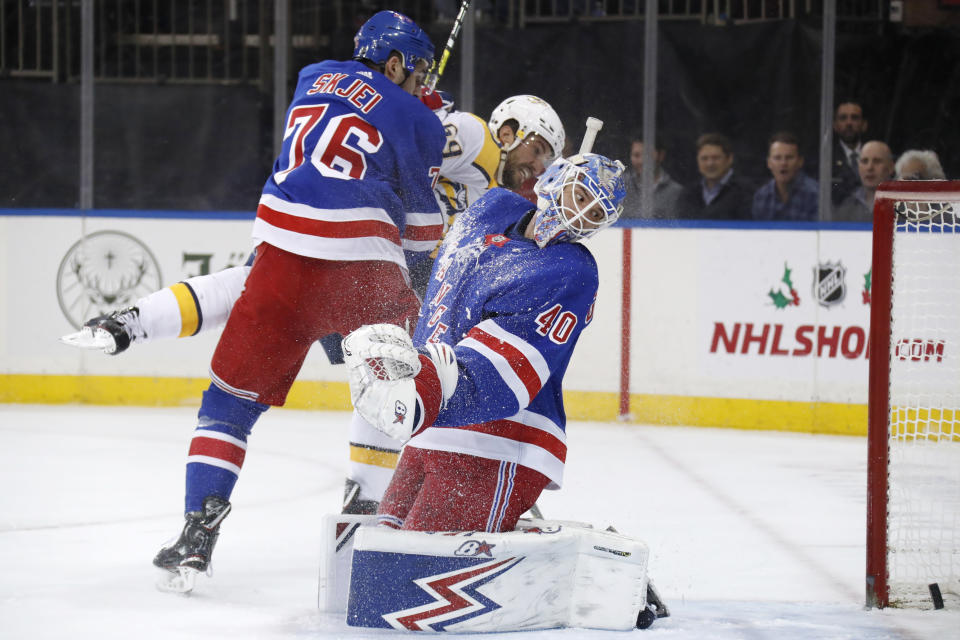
(434, 75)
(590, 135)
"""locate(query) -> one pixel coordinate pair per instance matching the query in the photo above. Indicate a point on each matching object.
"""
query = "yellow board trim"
(151, 392)
(731, 413)
(737, 413)
(189, 315)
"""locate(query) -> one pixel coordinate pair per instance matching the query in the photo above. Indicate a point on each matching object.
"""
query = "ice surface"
(753, 535)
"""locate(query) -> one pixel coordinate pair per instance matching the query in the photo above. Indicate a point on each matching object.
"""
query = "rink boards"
(735, 324)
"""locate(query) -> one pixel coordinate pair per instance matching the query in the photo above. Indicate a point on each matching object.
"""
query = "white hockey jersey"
(472, 162)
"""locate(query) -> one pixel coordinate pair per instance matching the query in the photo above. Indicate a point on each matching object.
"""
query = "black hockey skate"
(353, 504)
(190, 554)
(655, 608)
(122, 326)
(111, 333)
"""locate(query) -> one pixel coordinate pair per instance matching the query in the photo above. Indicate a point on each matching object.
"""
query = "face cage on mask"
(569, 222)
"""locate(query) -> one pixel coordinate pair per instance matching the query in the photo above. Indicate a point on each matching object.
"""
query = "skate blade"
(87, 338)
(182, 581)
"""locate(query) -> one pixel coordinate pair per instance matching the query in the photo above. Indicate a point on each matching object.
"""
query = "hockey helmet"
(533, 116)
(593, 203)
(389, 31)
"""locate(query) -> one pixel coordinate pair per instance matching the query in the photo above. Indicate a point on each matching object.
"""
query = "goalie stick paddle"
(590, 135)
(437, 70)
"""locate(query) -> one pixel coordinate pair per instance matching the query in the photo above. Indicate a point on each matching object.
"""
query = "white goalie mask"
(533, 116)
(577, 197)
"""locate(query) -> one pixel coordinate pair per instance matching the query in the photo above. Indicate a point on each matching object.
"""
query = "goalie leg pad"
(542, 578)
(336, 551)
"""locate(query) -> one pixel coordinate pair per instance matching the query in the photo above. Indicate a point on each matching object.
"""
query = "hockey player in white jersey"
(520, 140)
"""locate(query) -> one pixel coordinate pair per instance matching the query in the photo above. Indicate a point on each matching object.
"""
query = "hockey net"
(913, 497)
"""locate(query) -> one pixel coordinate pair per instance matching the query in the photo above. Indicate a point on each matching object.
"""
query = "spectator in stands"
(718, 195)
(666, 190)
(849, 127)
(875, 166)
(790, 194)
(915, 164)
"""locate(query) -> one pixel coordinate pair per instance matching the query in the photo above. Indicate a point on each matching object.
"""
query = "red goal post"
(913, 472)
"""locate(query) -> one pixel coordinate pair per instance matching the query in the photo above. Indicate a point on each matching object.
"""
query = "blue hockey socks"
(219, 445)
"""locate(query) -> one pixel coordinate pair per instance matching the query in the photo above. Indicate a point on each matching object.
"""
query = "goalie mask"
(577, 197)
(389, 31)
(533, 116)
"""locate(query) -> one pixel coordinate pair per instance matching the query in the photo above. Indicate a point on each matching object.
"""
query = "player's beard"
(515, 173)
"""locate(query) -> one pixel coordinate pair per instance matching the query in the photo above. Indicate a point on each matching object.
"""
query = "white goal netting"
(923, 525)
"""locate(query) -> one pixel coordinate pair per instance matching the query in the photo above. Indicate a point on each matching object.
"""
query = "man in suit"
(849, 128)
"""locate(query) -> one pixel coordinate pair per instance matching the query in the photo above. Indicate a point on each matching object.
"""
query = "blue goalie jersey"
(355, 176)
(513, 313)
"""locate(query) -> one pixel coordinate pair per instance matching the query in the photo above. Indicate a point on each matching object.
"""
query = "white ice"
(753, 535)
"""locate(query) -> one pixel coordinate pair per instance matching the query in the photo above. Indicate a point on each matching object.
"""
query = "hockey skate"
(112, 333)
(353, 504)
(190, 555)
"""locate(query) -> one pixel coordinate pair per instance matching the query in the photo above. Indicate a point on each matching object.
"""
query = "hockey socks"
(219, 446)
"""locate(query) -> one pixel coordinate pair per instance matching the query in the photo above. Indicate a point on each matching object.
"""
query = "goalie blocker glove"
(393, 386)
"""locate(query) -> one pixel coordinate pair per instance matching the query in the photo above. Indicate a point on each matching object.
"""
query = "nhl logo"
(829, 283)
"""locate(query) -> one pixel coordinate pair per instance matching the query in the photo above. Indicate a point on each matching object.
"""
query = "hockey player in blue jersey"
(480, 403)
(349, 201)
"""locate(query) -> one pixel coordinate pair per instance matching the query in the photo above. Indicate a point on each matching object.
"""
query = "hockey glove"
(393, 386)
(381, 364)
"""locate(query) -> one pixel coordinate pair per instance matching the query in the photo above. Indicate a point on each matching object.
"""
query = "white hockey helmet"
(533, 116)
